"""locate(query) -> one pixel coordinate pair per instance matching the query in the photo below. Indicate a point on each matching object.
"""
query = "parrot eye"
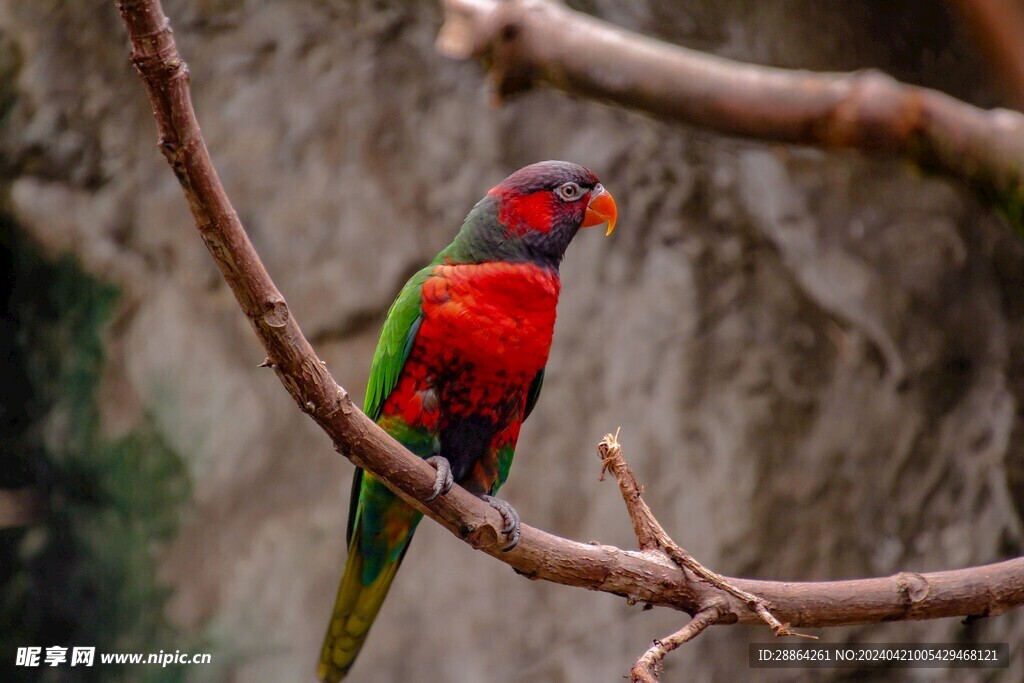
(570, 191)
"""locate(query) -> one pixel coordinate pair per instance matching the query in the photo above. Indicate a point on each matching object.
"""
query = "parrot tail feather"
(355, 609)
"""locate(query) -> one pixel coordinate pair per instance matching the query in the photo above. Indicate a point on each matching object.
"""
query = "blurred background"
(816, 359)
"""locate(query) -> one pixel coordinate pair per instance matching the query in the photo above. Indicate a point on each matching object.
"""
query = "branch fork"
(652, 536)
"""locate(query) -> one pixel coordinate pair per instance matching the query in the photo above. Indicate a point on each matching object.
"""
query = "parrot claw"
(511, 518)
(443, 481)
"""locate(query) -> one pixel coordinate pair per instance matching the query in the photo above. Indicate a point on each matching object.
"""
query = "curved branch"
(533, 41)
(647, 576)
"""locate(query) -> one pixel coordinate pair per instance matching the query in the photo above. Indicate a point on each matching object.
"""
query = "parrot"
(459, 366)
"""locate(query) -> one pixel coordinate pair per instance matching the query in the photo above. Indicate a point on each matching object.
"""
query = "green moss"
(85, 575)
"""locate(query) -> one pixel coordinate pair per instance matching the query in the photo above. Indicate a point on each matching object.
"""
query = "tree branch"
(651, 535)
(524, 42)
(641, 576)
(647, 666)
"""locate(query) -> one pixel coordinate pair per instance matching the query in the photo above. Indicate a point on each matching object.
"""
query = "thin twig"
(650, 534)
(648, 666)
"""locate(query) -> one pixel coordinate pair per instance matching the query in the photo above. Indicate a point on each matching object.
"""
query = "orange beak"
(601, 210)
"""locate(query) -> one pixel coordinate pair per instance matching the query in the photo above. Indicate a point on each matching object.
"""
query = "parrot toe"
(443, 481)
(510, 517)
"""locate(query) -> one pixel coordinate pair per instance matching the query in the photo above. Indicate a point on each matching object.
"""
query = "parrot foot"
(443, 481)
(511, 518)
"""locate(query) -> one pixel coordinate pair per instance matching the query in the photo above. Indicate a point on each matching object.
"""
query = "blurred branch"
(645, 576)
(20, 507)
(526, 42)
(998, 26)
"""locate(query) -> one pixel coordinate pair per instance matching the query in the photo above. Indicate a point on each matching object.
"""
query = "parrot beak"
(601, 210)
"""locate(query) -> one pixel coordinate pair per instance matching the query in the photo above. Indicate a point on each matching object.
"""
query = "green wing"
(534, 393)
(396, 340)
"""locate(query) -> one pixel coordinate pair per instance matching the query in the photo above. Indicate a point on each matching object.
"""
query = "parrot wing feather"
(396, 340)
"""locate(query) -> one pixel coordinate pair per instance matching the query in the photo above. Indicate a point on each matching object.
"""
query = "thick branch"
(642, 576)
(532, 41)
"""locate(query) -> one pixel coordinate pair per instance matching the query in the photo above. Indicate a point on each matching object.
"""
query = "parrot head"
(534, 213)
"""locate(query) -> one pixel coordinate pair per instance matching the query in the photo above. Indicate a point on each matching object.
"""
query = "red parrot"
(458, 368)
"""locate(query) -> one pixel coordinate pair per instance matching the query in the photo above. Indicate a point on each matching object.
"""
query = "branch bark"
(651, 535)
(646, 669)
(644, 576)
(526, 42)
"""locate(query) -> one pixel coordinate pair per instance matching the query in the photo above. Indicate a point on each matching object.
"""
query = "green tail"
(355, 609)
(379, 537)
